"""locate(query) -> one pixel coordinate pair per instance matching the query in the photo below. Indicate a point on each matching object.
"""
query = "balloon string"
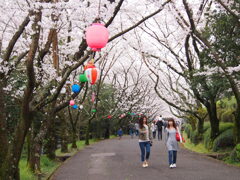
(99, 6)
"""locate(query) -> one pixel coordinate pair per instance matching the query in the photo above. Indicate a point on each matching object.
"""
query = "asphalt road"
(120, 160)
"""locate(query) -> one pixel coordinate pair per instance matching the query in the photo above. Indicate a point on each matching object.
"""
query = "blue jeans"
(172, 157)
(145, 147)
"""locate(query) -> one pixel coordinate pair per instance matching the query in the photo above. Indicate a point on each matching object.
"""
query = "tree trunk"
(3, 130)
(87, 133)
(214, 121)
(107, 131)
(35, 157)
(51, 144)
(200, 129)
(38, 140)
(64, 134)
(74, 139)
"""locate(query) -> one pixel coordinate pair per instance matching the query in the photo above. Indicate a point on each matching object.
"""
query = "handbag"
(178, 136)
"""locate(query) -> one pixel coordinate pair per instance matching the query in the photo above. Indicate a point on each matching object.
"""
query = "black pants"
(159, 134)
(154, 134)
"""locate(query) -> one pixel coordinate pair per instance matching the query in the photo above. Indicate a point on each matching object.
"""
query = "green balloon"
(83, 78)
(94, 110)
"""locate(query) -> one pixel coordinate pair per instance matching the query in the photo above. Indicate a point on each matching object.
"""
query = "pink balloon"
(72, 103)
(97, 36)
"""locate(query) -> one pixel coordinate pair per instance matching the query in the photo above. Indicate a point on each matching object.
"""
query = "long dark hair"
(174, 124)
(141, 121)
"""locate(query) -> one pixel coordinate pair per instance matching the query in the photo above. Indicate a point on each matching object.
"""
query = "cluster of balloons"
(91, 74)
(75, 106)
(97, 37)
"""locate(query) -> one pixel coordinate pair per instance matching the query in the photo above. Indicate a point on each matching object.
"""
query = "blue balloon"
(75, 106)
(76, 88)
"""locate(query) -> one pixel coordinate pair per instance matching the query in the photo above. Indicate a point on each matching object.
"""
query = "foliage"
(48, 166)
(194, 137)
(225, 126)
(206, 139)
(224, 140)
(235, 155)
(206, 126)
(188, 130)
(228, 116)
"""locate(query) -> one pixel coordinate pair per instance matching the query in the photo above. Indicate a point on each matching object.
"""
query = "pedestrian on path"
(159, 127)
(120, 133)
(136, 129)
(131, 129)
(145, 140)
(171, 142)
(154, 129)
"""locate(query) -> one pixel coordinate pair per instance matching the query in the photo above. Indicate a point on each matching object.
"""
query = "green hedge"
(206, 126)
(207, 139)
(235, 155)
(228, 116)
(188, 130)
(225, 126)
(194, 137)
(224, 140)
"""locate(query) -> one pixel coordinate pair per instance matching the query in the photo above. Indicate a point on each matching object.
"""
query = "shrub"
(188, 130)
(206, 138)
(194, 137)
(224, 140)
(228, 116)
(206, 126)
(225, 126)
(220, 111)
(235, 155)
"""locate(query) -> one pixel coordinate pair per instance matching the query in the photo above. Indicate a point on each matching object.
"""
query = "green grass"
(25, 173)
(200, 148)
(47, 167)
(229, 161)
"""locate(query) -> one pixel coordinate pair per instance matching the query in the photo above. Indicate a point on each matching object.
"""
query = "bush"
(235, 155)
(206, 138)
(206, 126)
(194, 137)
(220, 111)
(228, 116)
(188, 130)
(224, 140)
(225, 126)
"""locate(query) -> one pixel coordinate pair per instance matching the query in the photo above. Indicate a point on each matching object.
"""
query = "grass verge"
(200, 148)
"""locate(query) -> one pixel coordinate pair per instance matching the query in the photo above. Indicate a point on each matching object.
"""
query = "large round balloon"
(83, 78)
(92, 75)
(97, 36)
(76, 88)
(75, 106)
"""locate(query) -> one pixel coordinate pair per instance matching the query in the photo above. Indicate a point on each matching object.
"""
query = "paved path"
(120, 160)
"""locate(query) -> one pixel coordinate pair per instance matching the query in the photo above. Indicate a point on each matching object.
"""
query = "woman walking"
(145, 140)
(171, 142)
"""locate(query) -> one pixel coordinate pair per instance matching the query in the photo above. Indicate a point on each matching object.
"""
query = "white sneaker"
(174, 165)
(171, 166)
(144, 165)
